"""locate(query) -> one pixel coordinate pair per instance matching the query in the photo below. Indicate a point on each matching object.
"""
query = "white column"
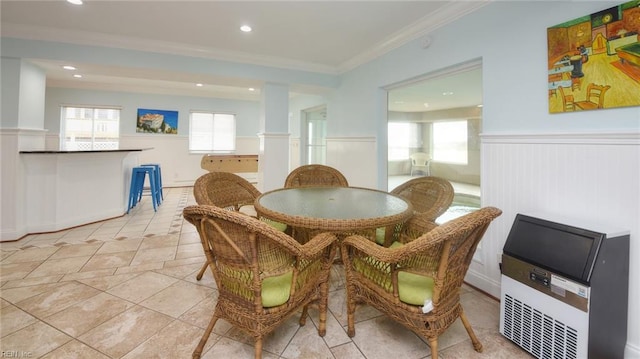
(21, 128)
(274, 137)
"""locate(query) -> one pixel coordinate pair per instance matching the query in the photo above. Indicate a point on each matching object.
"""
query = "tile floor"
(126, 288)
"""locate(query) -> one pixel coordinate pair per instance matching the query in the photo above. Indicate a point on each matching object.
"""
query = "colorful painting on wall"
(594, 60)
(157, 121)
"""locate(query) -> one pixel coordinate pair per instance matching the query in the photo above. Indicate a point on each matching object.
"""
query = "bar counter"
(64, 189)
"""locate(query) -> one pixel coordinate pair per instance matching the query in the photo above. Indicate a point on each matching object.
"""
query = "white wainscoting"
(591, 177)
(356, 158)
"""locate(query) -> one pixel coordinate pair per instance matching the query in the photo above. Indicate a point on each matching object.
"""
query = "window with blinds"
(212, 132)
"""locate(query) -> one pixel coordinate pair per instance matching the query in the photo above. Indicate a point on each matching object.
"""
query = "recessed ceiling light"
(77, 76)
(251, 89)
(75, 2)
(245, 28)
(199, 85)
(426, 104)
(68, 67)
(447, 93)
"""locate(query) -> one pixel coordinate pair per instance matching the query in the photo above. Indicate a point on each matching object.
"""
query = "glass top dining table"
(335, 209)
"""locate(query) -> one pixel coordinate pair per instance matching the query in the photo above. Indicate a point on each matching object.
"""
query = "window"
(450, 142)
(403, 136)
(212, 132)
(89, 128)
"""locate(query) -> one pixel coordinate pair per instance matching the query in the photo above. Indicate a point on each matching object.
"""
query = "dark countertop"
(87, 151)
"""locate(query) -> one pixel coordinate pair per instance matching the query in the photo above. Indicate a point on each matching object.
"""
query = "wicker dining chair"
(429, 196)
(315, 176)
(417, 280)
(229, 191)
(263, 276)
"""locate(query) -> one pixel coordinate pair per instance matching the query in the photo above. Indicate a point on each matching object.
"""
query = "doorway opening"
(433, 128)
(315, 135)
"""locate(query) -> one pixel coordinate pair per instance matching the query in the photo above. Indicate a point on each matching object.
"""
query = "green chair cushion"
(380, 232)
(276, 289)
(277, 225)
(413, 288)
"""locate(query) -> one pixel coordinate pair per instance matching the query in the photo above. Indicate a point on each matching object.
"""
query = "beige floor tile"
(177, 340)
(15, 295)
(347, 351)
(111, 260)
(84, 316)
(33, 341)
(180, 271)
(125, 331)
(189, 251)
(188, 238)
(176, 299)
(13, 318)
(142, 286)
(227, 348)
(12, 271)
(495, 346)
(75, 350)
(107, 282)
(336, 334)
(180, 262)
(32, 281)
(399, 342)
(151, 266)
(160, 241)
(126, 245)
(59, 266)
(307, 344)
(90, 274)
(151, 255)
(57, 299)
(200, 315)
(31, 255)
(76, 250)
(275, 342)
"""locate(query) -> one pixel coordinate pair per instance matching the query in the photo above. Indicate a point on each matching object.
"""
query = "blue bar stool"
(158, 179)
(138, 175)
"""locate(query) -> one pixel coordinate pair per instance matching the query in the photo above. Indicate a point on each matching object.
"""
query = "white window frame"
(216, 136)
(110, 140)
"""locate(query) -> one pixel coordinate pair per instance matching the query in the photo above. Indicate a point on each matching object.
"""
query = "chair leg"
(202, 270)
(258, 348)
(433, 343)
(303, 316)
(198, 352)
(476, 343)
(351, 308)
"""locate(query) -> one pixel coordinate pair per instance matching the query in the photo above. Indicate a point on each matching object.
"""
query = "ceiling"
(321, 36)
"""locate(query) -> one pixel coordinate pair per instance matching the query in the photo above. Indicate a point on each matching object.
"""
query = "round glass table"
(336, 209)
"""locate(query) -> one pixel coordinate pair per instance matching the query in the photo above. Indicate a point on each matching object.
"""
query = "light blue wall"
(222, 70)
(247, 112)
(510, 39)
(23, 94)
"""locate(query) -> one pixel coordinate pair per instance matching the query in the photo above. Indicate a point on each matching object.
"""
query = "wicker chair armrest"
(317, 245)
(370, 249)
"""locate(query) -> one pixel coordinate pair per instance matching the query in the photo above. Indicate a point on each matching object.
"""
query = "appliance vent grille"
(538, 333)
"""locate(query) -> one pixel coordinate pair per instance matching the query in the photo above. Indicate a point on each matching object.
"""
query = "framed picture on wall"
(594, 60)
(157, 121)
